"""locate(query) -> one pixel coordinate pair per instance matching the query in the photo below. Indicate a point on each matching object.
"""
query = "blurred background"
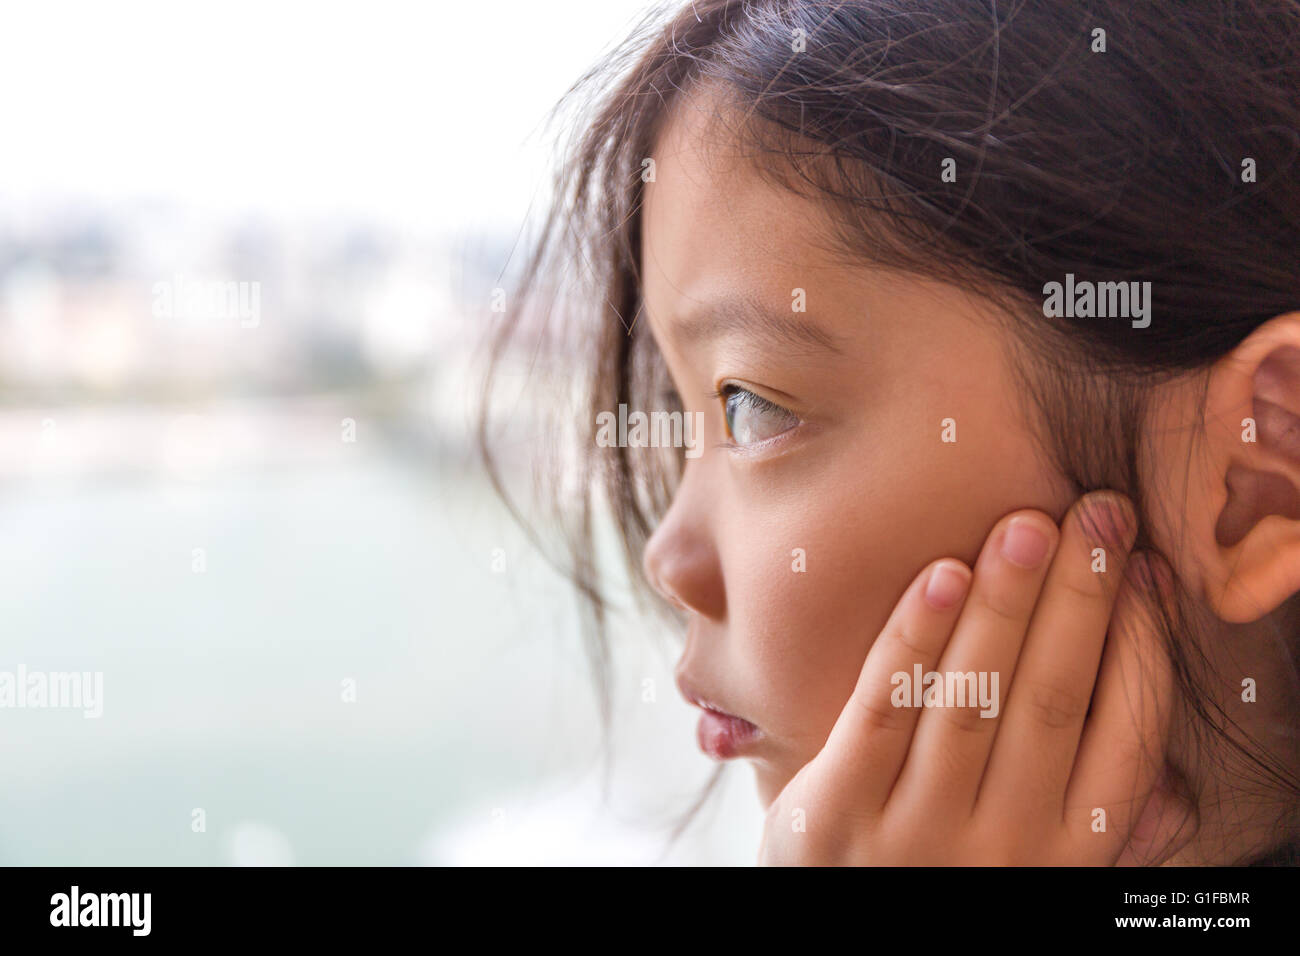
(247, 259)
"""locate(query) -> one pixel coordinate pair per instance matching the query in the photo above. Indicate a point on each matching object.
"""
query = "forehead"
(713, 225)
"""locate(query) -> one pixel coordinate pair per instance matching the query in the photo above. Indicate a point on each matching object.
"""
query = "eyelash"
(755, 402)
(752, 399)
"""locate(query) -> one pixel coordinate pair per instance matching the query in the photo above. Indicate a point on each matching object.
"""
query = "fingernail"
(1109, 520)
(947, 584)
(1025, 543)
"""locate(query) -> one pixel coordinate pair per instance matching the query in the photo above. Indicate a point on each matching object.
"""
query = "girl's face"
(870, 434)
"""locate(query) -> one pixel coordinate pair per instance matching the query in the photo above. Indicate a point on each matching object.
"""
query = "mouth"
(720, 734)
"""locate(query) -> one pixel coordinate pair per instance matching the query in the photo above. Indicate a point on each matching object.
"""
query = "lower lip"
(722, 736)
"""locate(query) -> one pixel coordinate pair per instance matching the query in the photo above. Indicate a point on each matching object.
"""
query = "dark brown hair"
(1118, 156)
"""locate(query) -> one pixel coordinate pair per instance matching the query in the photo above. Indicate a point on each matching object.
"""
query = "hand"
(1059, 771)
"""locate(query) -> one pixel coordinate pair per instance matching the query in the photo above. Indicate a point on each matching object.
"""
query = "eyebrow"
(748, 315)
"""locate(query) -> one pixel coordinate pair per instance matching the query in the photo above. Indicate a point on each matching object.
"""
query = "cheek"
(863, 532)
(814, 594)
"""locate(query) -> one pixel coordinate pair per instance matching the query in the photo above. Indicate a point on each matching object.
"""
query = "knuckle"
(1089, 586)
(907, 639)
(877, 713)
(967, 719)
(1001, 606)
(1054, 707)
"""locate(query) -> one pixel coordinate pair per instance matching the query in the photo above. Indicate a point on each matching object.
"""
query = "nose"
(681, 561)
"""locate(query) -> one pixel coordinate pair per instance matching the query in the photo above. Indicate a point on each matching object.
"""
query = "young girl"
(991, 551)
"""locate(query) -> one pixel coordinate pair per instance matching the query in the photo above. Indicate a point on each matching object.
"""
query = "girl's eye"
(752, 418)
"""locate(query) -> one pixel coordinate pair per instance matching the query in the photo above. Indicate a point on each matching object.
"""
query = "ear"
(1250, 557)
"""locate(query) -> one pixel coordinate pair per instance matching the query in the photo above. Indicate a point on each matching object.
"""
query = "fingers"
(953, 742)
(870, 739)
(1116, 779)
(1074, 751)
(1033, 755)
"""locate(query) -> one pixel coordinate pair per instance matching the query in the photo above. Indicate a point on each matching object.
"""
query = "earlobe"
(1252, 425)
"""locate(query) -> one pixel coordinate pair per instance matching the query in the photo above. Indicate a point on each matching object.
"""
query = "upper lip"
(687, 690)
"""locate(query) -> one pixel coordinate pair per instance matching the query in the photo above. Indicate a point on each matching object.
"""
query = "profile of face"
(791, 537)
(858, 423)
